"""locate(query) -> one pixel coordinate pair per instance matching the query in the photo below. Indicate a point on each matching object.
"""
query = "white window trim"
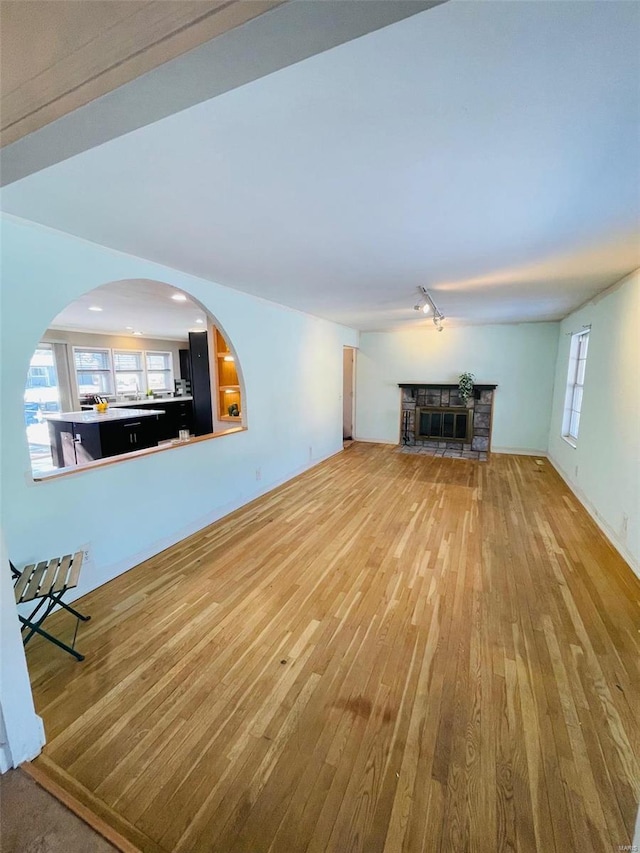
(116, 370)
(579, 344)
(168, 370)
(108, 370)
(113, 371)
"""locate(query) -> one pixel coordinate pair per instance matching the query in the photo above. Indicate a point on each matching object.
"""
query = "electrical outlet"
(310, 453)
(258, 473)
(576, 471)
(625, 526)
(87, 552)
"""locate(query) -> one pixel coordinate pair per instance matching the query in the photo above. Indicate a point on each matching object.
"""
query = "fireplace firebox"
(443, 424)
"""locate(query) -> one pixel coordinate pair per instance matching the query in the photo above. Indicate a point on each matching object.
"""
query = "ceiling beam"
(59, 56)
(281, 36)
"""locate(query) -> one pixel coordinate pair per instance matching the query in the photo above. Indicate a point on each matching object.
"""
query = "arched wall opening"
(131, 366)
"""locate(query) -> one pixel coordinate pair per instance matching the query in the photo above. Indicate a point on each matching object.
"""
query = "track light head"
(426, 305)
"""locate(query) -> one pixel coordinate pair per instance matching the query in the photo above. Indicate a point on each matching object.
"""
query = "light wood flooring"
(389, 653)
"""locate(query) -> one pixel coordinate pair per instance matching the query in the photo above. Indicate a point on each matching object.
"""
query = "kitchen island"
(178, 412)
(81, 437)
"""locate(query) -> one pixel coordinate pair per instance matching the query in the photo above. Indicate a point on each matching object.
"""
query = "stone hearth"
(479, 405)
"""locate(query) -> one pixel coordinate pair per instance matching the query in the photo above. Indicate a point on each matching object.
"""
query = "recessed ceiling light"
(129, 328)
(179, 297)
(95, 308)
(139, 334)
(199, 320)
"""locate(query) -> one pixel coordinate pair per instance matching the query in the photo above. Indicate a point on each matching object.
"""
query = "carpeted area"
(33, 821)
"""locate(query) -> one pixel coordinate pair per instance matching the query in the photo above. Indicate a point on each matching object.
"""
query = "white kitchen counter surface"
(150, 402)
(92, 417)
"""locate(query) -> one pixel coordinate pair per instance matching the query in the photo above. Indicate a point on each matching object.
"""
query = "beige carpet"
(32, 821)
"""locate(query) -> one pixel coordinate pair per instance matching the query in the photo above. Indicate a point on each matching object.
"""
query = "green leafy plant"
(465, 386)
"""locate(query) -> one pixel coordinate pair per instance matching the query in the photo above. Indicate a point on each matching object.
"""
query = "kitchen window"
(159, 371)
(129, 372)
(93, 371)
(575, 386)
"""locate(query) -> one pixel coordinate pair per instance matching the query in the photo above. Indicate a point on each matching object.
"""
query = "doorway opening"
(348, 397)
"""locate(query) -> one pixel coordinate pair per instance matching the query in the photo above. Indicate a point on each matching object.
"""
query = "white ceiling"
(488, 151)
(132, 306)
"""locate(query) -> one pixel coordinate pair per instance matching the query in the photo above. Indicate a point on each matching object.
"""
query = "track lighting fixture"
(426, 305)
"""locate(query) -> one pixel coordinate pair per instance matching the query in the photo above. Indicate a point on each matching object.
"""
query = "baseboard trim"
(520, 451)
(56, 781)
(114, 570)
(605, 529)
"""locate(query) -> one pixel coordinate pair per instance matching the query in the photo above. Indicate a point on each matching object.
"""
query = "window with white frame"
(122, 372)
(93, 371)
(159, 371)
(575, 385)
(129, 372)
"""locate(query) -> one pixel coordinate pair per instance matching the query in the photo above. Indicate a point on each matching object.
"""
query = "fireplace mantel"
(443, 386)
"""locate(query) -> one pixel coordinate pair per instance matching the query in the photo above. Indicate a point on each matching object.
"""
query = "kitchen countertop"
(146, 402)
(101, 417)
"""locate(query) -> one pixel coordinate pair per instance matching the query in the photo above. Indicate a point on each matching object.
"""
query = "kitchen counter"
(149, 401)
(91, 417)
(80, 437)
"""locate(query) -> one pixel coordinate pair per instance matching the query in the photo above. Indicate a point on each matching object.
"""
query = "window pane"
(159, 381)
(575, 423)
(158, 361)
(94, 383)
(92, 359)
(580, 373)
(127, 360)
(128, 383)
(577, 399)
(584, 345)
(41, 391)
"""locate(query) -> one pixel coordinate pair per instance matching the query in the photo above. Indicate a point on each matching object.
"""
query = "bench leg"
(34, 628)
(58, 600)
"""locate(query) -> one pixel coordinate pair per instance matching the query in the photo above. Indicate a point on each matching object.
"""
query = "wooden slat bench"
(48, 582)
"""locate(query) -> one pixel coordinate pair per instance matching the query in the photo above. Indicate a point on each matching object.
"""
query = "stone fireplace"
(435, 421)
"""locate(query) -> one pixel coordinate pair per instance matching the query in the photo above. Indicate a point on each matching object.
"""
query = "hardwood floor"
(390, 653)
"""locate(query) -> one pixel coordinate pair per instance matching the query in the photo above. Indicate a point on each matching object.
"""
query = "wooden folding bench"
(48, 581)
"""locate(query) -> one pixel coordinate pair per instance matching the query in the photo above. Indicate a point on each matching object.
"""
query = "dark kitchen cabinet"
(76, 443)
(128, 435)
(177, 415)
(185, 366)
(200, 383)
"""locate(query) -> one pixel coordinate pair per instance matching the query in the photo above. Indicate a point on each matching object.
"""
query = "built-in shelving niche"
(227, 381)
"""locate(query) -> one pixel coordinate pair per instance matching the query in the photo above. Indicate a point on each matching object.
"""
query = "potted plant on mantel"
(465, 386)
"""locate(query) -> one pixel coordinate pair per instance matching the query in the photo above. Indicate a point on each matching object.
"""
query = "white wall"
(520, 359)
(604, 469)
(21, 732)
(125, 512)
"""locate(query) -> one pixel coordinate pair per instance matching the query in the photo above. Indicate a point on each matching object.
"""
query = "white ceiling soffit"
(135, 305)
(487, 151)
(58, 56)
(275, 39)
